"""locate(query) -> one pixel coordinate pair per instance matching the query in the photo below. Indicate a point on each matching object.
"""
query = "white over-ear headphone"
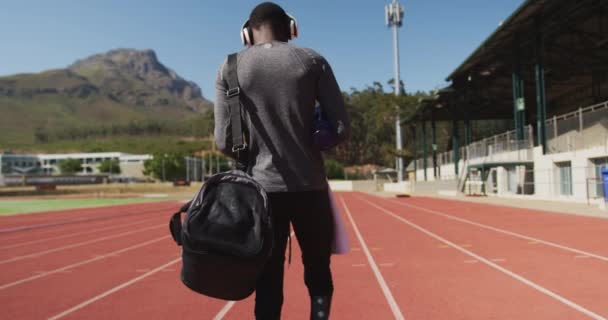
(247, 33)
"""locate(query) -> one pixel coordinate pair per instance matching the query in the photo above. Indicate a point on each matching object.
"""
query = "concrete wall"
(354, 185)
(434, 187)
(399, 187)
(546, 174)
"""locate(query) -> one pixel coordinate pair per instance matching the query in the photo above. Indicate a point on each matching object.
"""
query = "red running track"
(415, 258)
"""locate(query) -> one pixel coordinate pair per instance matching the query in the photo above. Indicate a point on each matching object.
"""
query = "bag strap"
(234, 103)
(175, 224)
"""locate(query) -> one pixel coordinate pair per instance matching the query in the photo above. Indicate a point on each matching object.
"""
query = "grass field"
(12, 207)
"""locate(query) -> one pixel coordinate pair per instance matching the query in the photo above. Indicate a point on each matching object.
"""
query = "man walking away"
(280, 84)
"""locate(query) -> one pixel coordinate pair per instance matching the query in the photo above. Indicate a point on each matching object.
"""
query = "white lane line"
(230, 304)
(73, 221)
(510, 273)
(41, 253)
(507, 232)
(113, 226)
(224, 310)
(81, 263)
(113, 290)
(387, 292)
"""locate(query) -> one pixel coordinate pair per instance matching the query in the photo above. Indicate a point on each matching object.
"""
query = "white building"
(130, 165)
(19, 164)
(569, 170)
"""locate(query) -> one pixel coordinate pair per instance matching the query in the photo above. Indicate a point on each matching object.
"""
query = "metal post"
(187, 168)
(163, 164)
(394, 16)
(210, 164)
(434, 146)
(203, 168)
(415, 147)
(424, 164)
(554, 127)
(518, 92)
(455, 145)
(580, 119)
(217, 163)
(541, 100)
(467, 132)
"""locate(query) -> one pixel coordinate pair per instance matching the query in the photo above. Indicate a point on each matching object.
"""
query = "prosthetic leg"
(319, 307)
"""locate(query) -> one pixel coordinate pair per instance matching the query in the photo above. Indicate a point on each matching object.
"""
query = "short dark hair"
(273, 15)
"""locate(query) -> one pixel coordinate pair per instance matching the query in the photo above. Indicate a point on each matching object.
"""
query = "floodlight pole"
(394, 19)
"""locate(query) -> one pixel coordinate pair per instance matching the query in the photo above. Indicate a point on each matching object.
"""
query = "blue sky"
(193, 36)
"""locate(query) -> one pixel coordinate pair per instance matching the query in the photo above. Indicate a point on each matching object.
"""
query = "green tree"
(70, 166)
(110, 166)
(372, 112)
(334, 169)
(166, 166)
(41, 135)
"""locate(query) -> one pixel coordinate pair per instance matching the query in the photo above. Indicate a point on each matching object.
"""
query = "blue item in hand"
(324, 135)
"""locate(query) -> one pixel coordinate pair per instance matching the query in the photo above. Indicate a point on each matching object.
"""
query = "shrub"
(334, 169)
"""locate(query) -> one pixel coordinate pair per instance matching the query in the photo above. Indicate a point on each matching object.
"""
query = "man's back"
(280, 84)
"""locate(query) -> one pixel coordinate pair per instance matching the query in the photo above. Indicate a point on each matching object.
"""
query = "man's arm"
(332, 102)
(221, 113)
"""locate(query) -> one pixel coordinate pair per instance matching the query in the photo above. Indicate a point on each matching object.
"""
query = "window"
(565, 178)
(512, 180)
(598, 165)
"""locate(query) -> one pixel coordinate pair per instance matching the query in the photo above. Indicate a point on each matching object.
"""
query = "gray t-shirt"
(280, 84)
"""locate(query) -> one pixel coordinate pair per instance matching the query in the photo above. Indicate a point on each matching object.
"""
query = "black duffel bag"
(226, 236)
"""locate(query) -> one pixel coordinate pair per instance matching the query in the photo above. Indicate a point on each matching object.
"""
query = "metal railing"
(501, 143)
(584, 128)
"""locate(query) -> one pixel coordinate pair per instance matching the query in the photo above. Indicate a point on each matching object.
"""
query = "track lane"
(58, 225)
(53, 215)
(432, 281)
(557, 228)
(354, 283)
(357, 296)
(62, 290)
(558, 271)
(73, 251)
(92, 230)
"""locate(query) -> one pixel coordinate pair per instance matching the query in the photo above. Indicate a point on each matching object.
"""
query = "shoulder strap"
(234, 103)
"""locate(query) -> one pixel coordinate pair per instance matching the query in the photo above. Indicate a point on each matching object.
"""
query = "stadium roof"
(574, 38)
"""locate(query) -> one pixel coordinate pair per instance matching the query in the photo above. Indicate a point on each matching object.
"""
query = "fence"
(581, 129)
(488, 147)
(501, 143)
(584, 128)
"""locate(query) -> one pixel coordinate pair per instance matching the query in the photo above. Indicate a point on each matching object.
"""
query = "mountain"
(113, 89)
(137, 77)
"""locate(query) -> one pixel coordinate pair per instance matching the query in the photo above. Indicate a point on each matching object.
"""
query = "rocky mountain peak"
(121, 71)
